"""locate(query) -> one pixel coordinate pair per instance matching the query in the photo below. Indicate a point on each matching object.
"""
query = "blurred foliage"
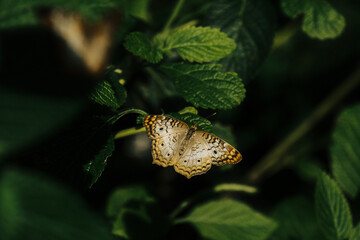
(73, 151)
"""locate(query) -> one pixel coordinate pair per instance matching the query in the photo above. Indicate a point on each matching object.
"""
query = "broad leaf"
(97, 165)
(191, 119)
(332, 210)
(251, 25)
(355, 234)
(34, 207)
(345, 151)
(229, 219)
(200, 44)
(140, 46)
(205, 86)
(110, 92)
(321, 20)
(136, 214)
(296, 219)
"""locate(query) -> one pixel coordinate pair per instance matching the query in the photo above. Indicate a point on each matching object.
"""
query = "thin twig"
(275, 156)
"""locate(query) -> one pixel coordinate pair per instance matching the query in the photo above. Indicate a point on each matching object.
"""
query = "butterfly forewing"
(167, 133)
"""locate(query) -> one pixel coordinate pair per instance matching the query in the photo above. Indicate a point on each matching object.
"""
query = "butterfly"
(191, 152)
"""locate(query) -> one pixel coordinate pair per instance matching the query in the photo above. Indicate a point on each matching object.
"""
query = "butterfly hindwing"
(164, 148)
(195, 161)
(220, 151)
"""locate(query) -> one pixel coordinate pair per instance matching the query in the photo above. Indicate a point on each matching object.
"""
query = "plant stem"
(123, 113)
(173, 15)
(128, 132)
(271, 160)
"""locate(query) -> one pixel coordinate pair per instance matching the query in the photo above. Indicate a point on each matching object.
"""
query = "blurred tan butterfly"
(191, 152)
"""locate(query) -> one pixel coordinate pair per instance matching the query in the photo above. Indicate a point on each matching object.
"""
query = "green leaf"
(24, 12)
(205, 86)
(140, 46)
(200, 44)
(110, 92)
(345, 151)
(229, 220)
(321, 20)
(191, 119)
(97, 165)
(252, 25)
(296, 218)
(136, 214)
(332, 210)
(293, 8)
(33, 207)
(355, 234)
(136, 8)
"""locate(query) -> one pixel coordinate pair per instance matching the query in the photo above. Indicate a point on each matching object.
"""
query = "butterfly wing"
(221, 153)
(196, 159)
(167, 133)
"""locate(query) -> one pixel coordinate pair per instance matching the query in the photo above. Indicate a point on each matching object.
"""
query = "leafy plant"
(75, 162)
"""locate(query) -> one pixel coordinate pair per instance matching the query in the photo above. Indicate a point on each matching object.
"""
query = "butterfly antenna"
(211, 115)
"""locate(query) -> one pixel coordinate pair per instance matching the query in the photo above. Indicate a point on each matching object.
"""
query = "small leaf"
(200, 44)
(345, 151)
(140, 46)
(191, 119)
(136, 8)
(321, 20)
(205, 86)
(332, 210)
(296, 218)
(293, 8)
(33, 207)
(355, 234)
(122, 196)
(251, 24)
(136, 214)
(97, 165)
(227, 219)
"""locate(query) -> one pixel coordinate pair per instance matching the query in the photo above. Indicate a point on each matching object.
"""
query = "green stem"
(128, 132)
(123, 113)
(275, 157)
(173, 15)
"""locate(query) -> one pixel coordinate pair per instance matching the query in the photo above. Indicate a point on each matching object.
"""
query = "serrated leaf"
(204, 85)
(252, 25)
(191, 119)
(355, 234)
(136, 214)
(110, 92)
(345, 151)
(296, 219)
(33, 207)
(200, 44)
(140, 46)
(229, 220)
(97, 165)
(332, 210)
(321, 20)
